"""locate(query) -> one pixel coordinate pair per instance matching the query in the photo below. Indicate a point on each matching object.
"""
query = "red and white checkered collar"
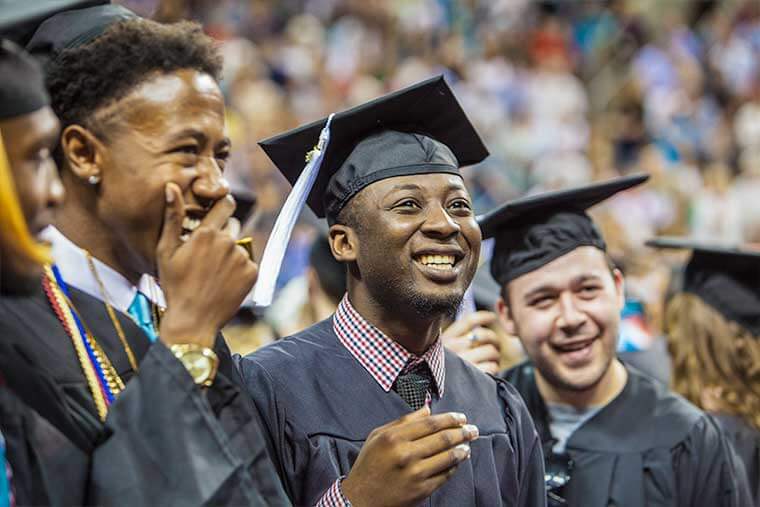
(382, 357)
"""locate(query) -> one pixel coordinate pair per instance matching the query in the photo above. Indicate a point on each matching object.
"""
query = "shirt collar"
(75, 270)
(382, 357)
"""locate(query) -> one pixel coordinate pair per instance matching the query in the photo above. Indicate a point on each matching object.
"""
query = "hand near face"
(405, 461)
(472, 338)
(204, 278)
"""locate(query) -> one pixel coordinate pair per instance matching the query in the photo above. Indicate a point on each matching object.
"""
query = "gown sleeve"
(163, 444)
(527, 446)
(707, 470)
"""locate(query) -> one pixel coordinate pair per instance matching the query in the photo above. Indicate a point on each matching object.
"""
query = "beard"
(439, 306)
(393, 292)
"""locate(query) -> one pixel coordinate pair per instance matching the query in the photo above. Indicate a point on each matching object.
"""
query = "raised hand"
(473, 339)
(205, 276)
(405, 461)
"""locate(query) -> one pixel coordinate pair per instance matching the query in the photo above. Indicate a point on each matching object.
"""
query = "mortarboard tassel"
(274, 252)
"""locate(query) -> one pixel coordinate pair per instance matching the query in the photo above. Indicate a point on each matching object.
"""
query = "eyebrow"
(550, 288)
(413, 186)
(198, 136)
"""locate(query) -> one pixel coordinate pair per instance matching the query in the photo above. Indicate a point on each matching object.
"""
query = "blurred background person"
(712, 325)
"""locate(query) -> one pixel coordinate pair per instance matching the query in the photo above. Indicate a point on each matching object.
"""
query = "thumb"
(174, 214)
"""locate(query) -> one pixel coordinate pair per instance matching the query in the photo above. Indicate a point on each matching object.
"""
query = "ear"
(505, 316)
(619, 280)
(82, 151)
(343, 243)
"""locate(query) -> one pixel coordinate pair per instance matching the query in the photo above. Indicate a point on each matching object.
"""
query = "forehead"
(432, 184)
(583, 261)
(168, 102)
(29, 129)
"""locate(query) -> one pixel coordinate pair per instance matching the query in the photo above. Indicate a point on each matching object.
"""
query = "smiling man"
(611, 435)
(153, 400)
(366, 407)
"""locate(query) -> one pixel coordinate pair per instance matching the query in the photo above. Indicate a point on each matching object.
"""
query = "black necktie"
(413, 385)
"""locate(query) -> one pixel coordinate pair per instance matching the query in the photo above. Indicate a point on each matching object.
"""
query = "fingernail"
(471, 430)
(460, 418)
(169, 195)
(462, 451)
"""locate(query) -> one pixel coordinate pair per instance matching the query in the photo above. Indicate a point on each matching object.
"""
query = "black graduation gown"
(48, 468)
(318, 404)
(165, 441)
(647, 448)
(746, 442)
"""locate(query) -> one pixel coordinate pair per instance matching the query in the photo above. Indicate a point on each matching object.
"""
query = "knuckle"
(447, 439)
(387, 438)
(402, 457)
(453, 459)
(432, 424)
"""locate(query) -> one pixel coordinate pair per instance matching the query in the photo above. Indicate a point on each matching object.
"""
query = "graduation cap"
(22, 88)
(75, 26)
(420, 129)
(532, 231)
(726, 278)
(20, 18)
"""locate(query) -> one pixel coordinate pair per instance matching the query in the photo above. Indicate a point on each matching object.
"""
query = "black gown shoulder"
(163, 434)
(746, 442)
(647, 447)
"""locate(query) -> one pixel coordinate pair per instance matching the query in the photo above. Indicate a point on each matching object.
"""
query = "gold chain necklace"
(112, 314)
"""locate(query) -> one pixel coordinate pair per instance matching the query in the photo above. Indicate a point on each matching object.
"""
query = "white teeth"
(438, 261)
(190, 224)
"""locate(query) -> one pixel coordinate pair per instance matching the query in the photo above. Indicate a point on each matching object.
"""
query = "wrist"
(178, 329)
(345, 488)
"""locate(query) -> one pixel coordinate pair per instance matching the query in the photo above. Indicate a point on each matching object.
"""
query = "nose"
(438, 223)
(570, 317)
(210, 185)
(54, 191)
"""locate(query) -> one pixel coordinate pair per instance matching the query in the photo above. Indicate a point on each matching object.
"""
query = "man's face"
(29, 140)
(172, 130)
(419, 242)
(567, 315)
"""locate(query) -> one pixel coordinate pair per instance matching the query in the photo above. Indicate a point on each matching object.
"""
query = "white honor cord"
(274, 252)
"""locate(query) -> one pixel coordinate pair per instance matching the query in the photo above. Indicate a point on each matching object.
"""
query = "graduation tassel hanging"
(274, 251)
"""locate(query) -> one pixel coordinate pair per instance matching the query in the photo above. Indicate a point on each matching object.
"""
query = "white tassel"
(274, 252)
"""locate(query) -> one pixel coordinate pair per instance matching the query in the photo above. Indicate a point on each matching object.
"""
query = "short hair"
(84, 79)
(350, 215)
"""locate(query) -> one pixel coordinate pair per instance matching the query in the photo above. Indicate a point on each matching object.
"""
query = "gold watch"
(201, 362)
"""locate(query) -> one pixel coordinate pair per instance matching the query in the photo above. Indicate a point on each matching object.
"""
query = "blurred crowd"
(563, 92)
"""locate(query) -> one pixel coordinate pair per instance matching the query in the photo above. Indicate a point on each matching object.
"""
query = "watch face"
(199, 365)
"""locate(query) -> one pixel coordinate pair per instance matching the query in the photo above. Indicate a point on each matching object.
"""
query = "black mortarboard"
(20, 18)
(420, 129)
(726, 278)
(74, 28)
(532, 231)
(22, 87)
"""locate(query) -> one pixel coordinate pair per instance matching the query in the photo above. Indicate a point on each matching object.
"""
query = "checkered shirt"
(382, 357)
